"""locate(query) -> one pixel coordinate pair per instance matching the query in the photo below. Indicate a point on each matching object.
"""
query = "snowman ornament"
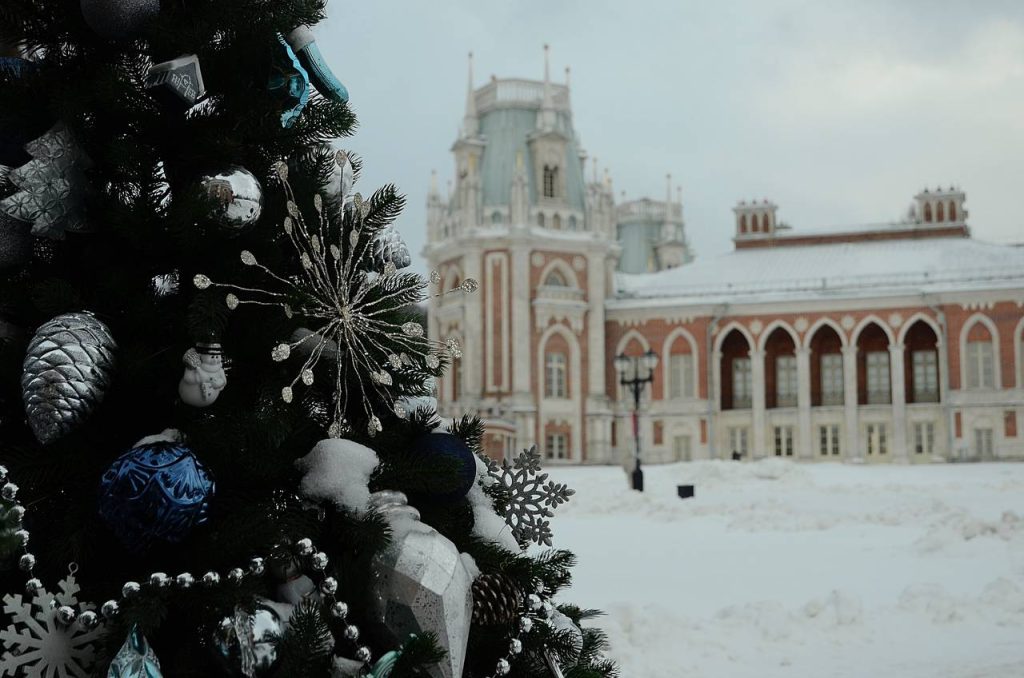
(204, 376)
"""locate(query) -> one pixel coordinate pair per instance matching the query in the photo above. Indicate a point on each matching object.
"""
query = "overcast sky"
(838, 111)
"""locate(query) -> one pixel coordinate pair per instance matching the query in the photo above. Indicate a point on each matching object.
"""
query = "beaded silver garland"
(535, 605)
(317, 561)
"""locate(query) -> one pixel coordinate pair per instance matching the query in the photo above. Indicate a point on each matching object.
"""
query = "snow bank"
(783, 569)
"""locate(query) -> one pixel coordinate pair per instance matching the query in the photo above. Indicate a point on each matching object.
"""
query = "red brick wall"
(1005, 316)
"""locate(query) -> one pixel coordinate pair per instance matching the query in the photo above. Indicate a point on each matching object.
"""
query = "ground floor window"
(557, 446)
(924, 437)
(681, 448)
(738, 437)
(783, 441)
(876, 439)
(828, 440)
(983, 442)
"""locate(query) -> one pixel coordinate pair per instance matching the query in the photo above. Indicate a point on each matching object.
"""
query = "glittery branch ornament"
(348, 311)
(50, 186)
(68, 368)
(41, 643)
(530, 498)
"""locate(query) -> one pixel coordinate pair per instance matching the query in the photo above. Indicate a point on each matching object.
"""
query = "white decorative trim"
(497, 262)
(562, 407)
(997, 363)
(801, 324)
(756, 326)
(559, 264)
(847, 322)
(825, 321)
(666, 352)
(912, 320)
(1018, 354)
(867, 320)
(771, 327)
(724, 332)
(537, 259)
(579, 263)
(895, 319)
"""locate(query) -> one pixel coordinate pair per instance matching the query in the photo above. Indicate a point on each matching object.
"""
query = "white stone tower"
(540, 239)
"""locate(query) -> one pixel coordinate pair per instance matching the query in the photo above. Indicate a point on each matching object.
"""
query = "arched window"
(550, 181)
(952, 211)
(555, 375)
(743, 223)
(496, 217)
(764, 223)
(940, 212)
(981, 371)
(555, 279)
(680, 370)
(556, 222)
(572, 223)
(540, 219)
(928, 212)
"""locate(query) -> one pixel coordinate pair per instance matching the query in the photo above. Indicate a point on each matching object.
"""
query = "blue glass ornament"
(135, 659)
(289, 80)
(434, 446)
(156, 492)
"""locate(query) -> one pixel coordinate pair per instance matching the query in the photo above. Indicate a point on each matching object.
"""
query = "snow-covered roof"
(822, 271)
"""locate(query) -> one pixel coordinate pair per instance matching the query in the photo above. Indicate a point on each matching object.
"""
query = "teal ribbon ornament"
(384, 665)
(290, 81)
(304, 44)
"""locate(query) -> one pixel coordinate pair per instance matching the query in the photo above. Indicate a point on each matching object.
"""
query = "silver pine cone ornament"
(68, 369)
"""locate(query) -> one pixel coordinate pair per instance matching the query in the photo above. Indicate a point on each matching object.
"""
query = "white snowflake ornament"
(38, 645)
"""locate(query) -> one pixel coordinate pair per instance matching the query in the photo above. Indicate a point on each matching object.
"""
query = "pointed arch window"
(928, 212)
(940, 212)
(555, 279)
(952, 211)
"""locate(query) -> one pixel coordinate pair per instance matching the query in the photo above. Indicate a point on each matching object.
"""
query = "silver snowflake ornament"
(531, 497)
(38, 645)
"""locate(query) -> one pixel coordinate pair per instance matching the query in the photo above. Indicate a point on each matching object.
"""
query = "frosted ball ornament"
(237, 196)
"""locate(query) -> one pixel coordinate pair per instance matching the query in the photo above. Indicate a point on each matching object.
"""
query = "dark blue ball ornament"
(14, 138)
(155, 493)
(434, 446)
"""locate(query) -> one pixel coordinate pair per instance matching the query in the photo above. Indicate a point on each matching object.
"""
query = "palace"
(899, 341)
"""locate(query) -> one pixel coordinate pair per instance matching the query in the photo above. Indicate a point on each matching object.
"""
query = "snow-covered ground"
(781, 569)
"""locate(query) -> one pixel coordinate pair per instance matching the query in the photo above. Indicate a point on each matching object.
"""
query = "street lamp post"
(630, 365)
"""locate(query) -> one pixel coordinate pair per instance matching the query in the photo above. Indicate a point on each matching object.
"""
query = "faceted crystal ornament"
(135, 659)
(422, 585)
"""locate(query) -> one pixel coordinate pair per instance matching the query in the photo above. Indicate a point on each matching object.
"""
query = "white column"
(715, 429)
(899, 403)
(595, 324)
(852, 443)
(758, 403)
(521, 343)
(803, 400)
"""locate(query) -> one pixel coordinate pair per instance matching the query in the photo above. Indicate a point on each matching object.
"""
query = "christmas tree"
(212, 370)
